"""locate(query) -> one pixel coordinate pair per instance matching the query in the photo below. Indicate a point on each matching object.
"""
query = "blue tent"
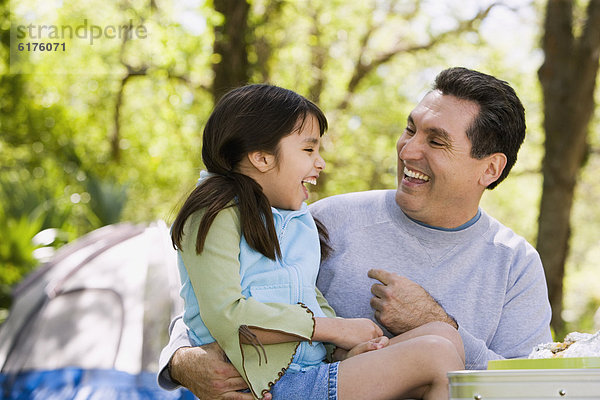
(90, 322)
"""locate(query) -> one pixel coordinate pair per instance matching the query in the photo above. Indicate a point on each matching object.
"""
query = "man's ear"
(495, 164)
(261, 160)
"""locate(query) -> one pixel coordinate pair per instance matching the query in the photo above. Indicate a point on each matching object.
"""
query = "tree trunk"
(568, 79)
(231, 41)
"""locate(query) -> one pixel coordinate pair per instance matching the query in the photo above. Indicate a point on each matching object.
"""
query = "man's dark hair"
(500, 125)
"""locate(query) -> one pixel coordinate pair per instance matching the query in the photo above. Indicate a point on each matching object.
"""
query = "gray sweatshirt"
(485, 276)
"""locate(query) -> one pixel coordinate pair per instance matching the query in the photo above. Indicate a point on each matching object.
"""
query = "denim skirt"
(315, 383)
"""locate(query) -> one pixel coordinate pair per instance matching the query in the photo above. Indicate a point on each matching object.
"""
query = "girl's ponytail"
(256, 216)
(221, 191)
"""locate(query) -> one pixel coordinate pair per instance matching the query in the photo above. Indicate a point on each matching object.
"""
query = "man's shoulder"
(501, 235)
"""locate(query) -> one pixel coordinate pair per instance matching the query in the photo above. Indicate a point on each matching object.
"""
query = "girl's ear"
(495, 165)
(261, 160)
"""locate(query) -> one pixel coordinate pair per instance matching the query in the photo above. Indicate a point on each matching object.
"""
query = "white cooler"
(539, 379)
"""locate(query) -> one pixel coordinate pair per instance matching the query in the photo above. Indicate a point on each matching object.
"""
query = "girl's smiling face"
(297, 162)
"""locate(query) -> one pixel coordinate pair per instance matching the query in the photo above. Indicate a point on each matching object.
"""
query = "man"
(425, 252)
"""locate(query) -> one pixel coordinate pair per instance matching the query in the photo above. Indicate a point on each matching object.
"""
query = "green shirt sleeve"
(215, 278)
(330, 313)
(327, 309)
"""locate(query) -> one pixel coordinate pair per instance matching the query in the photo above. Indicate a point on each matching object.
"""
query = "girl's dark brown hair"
(249, 118)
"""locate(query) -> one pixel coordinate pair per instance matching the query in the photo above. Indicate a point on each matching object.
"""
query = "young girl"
(249, 255)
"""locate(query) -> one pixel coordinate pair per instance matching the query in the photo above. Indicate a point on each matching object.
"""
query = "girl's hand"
(355, 331)
(373, 344)
(346, 332)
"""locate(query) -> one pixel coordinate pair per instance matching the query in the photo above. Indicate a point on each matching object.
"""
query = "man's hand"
(206, 373)
(401, 304)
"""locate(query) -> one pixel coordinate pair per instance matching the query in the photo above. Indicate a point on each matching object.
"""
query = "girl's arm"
(345, 333)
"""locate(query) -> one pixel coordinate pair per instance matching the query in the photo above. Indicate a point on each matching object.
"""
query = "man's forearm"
(439, 314)
(179, 367)
(206, 372)
(178, 338)
(427, 309)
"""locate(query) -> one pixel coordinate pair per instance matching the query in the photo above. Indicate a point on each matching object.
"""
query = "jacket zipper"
(294, 274)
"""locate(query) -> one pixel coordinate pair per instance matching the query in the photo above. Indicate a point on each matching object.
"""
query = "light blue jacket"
(290, 280)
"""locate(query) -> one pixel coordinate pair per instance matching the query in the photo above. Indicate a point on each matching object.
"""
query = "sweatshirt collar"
(458, 228)
(477, 225)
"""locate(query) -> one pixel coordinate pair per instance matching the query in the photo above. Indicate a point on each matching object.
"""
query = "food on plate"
(575, 344)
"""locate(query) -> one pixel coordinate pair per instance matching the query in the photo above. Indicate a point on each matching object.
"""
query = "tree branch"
(362, 69)
(131, 72)
(318, 58)
(587, 49)
(558, 40)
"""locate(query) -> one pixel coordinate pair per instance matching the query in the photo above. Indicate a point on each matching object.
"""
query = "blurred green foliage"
(111, 131)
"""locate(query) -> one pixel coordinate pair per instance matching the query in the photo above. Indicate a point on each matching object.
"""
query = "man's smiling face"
(439, 183)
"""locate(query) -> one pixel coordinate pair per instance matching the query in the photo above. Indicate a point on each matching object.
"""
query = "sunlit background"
(109, 129)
